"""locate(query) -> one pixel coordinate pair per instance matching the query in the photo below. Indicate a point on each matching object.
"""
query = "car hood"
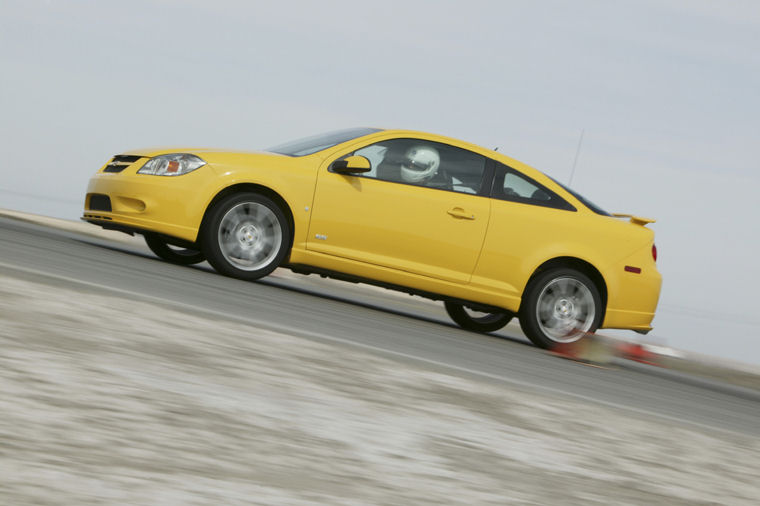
(151, 152)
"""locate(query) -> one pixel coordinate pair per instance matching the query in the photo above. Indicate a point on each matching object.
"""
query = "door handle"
(458, 212)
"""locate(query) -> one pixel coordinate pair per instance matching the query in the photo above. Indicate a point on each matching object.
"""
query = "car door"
(422, 208)
(527, 221)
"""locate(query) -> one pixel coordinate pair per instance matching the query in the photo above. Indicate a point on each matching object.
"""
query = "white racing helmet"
(420, 164)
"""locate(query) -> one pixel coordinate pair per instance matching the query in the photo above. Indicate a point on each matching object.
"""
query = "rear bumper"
(638, 294)
(629, 320)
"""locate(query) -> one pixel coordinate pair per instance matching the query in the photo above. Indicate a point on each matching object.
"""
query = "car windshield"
(309, 145)
(584, 200)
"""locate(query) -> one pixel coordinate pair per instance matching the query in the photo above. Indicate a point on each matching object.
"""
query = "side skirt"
(327, 273)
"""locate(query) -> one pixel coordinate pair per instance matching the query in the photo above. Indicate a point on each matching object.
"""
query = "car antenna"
(575, 162)
(496, 148)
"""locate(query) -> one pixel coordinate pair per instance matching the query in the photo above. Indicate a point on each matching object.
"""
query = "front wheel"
(246, 236)
(173, 254)
(560, 306)
(475, 320)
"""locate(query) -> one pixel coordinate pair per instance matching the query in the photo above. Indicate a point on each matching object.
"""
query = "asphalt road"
(403, 327)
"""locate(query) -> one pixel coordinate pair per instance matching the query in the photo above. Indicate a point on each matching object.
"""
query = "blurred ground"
(108, 400)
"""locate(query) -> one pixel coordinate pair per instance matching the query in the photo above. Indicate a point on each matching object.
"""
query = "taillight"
(654, 252)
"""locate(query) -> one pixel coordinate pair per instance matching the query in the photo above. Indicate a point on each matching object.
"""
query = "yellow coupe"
(489, 236)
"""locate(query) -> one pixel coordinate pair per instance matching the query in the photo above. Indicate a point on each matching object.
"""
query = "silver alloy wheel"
(179, 250)
(565, 310)
(483, 317)
(250, 236)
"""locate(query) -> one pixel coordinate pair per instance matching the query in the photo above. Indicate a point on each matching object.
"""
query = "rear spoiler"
(636, 220)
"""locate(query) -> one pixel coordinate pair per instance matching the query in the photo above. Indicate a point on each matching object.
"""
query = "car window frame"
(497, 190)
(486, 182)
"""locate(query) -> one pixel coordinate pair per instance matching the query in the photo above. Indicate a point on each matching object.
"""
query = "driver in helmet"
(420, 164)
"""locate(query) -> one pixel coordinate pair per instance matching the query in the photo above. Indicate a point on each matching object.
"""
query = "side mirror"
(355, 164)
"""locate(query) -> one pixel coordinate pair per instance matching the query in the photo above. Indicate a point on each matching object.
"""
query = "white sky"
(667, 93)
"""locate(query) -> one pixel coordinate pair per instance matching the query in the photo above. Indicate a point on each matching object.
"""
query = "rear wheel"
(174, 254)
(246, 236)
(476, 320)
(560, 306)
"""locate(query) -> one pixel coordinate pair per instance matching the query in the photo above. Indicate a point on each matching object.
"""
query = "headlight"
(174, 164)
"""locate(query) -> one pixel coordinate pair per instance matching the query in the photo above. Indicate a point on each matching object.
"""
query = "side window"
(514, 186)
(425, 163)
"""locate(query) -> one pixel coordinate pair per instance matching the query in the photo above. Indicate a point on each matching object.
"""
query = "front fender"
(295, 185)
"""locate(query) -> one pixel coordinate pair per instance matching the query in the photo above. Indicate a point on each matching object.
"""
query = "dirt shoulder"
(107, 400)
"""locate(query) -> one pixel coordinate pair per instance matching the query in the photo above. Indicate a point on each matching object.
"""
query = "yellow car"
(489, 236)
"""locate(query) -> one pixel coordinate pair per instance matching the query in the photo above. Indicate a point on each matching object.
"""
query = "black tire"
(486, 322)
(173, 254)
(246, 236)
(560, 306)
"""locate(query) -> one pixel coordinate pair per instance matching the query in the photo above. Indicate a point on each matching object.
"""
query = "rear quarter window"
(514, 186)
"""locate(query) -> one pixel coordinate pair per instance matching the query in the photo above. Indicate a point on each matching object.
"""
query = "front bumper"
(172, 206)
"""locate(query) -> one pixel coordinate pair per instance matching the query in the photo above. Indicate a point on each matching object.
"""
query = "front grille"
(100, 202)
(121, 162)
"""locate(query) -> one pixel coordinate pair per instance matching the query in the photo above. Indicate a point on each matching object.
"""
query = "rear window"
(584, 200)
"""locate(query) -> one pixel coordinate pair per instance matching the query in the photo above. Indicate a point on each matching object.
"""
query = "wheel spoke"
(545, 305)
(563, 287)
